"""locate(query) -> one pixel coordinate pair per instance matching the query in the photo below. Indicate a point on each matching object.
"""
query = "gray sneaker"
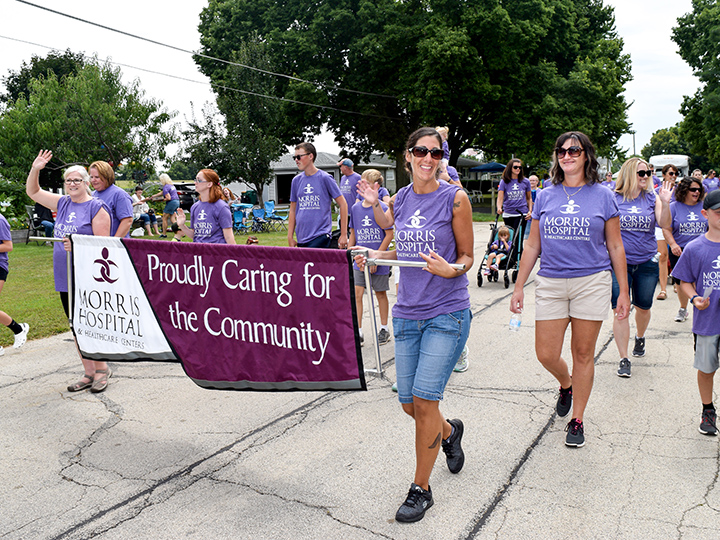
(708, 424)
(639, 349)
(624, 369)
(463, 362)
(414, 507)
(383, 337)
(575, 434)
(682, 315)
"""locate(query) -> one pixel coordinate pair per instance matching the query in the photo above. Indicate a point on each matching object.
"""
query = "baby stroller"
(507, 264)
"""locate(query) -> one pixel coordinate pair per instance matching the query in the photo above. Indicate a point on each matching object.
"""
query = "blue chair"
(240, 219)
(259, 223)
(277, 220)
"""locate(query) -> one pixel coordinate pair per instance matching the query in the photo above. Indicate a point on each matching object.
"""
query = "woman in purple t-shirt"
(578, 234)
(77, 213)
(431, 318)
(170, 195)
(687, 224)
(641, 210)
(514, 199)
(210, 217)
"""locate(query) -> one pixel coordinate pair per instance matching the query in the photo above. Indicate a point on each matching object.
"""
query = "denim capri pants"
(426, 352)
(642, 280)
(171, 206)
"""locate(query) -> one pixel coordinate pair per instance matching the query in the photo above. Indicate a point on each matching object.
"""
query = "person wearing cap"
(311, 195)
(698, 270)
(348, 181)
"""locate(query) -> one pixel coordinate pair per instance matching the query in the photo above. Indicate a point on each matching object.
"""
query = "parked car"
(187, 194)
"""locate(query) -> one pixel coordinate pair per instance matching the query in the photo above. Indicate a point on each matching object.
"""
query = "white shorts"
(586, 297)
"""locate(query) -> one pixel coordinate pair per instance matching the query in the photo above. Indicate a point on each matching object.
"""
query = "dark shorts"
(642, 280)
(3, 274)
(322, 241)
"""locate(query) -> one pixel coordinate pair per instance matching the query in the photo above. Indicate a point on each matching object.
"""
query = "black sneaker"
(575, 434)
(624, 369)
(708, 424)
(639, 349)
(383, 337)
(453, 451)
(413, 509)
(564, 402)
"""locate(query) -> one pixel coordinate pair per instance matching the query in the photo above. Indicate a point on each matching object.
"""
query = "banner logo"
(105, 265)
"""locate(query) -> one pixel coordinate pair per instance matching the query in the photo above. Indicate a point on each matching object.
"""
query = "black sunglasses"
(297, 157)
(517, 167)
(643, 174)
(421, 152)
(573, 151)
(671, 173)
(694, 189)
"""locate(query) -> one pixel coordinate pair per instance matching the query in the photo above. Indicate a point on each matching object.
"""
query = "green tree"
(17, 83)
(183, 170)
(89, 116)
(673, 140)
(698, 36)
(239, 138)
(506, 76)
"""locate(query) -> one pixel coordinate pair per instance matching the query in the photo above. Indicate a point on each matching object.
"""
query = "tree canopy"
(83, 117)
(672, 140)
(17, 83)
(506, 76)
(698, 36)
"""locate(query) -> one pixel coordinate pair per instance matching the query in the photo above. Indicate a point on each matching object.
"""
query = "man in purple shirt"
(311, 195)
(348, 182)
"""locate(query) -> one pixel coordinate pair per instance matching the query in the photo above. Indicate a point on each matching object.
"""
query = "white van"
(680, 161)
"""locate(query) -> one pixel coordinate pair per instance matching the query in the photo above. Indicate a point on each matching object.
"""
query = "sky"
(661, 77)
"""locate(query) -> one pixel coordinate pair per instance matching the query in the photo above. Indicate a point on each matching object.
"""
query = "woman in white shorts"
(578, 234)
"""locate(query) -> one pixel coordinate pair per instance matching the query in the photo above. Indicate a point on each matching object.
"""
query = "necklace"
(568, 195)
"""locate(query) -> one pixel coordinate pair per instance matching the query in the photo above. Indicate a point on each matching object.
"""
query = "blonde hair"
(165, 179)
(371, 176)
(503, 231)
(443, 131)
(627, 180)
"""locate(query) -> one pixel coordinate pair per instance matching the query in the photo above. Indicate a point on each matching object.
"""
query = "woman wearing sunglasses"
(641, 210)
(579, 239)
(687, 224)
(431, 318)
(670, 175)
(211, 218)
(514, 199)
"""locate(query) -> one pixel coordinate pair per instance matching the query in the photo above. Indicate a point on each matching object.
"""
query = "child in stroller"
(499, 250)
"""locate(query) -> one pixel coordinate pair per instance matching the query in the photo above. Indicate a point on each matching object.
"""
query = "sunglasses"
(643, 174)
(694, 189)
(421, 152)
(517, 167)
(573, 151)
(671, 173)
(200, 180)
(297, 157)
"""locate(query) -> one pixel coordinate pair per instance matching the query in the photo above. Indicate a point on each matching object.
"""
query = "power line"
(109, 28)
(285, 100)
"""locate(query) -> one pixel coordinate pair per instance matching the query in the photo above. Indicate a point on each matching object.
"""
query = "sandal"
(662, 295)
(101, 383)
(81, 384)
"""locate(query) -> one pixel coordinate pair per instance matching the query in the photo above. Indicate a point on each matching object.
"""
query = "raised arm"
(32, 185)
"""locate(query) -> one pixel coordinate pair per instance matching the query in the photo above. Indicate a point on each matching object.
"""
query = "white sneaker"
(682, 315)
(2, 351)
(463, 362)
(21, 338)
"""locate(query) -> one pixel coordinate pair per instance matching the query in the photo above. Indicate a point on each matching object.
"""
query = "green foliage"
(60, 64)
(673, 140)
(183, 170)
(82, 118)
(698, 36)
(507, 76)
(12, 204)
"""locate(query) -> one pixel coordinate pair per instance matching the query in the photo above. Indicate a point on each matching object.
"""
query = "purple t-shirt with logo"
(72, 218)
(172, 190)
(5, 236)
(711, 184)
(208, 221)
(313, 195)
(348, 188)
(610, 185)
(119, 204)
(423, 222)
(367, 232)
(515, 201)
(637, 226)
(572, 229)
(700, 264)
(687, 222)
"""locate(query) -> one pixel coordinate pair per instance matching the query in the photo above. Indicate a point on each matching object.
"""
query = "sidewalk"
(157, 457)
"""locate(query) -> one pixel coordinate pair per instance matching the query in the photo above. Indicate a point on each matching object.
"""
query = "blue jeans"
(49, 227)
(426, 352)
(322, 241)
(642, 280)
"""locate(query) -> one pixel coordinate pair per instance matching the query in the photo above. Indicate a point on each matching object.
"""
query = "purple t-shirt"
(72, 218)
(119, 204)
(711, 184)
(172, 190)
(367, 232)
(423, 222)
(572, 229)
(687, 222)
(515, 198)
(5, 236)
(208, 221)
(700, 264)
(610, 185)
(348, 188)
(446, 150)
(637, 226)
(313, 195)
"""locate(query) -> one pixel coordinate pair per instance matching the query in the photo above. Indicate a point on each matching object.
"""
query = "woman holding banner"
(210, 217)
(77, 213)
(431, 319)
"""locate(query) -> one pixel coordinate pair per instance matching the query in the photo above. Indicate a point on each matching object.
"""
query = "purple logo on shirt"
(716, 263)
(570, 208)
(202, 216)
(416, 221)
(634, 210)
(105, 265)
(71, 217)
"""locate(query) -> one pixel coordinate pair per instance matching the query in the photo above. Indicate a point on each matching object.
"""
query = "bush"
(12, 204)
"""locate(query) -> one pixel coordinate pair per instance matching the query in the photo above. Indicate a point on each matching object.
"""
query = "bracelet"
(692, 300)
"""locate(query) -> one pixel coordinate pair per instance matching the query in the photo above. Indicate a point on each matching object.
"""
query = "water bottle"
(656, 257)
(515, 322)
